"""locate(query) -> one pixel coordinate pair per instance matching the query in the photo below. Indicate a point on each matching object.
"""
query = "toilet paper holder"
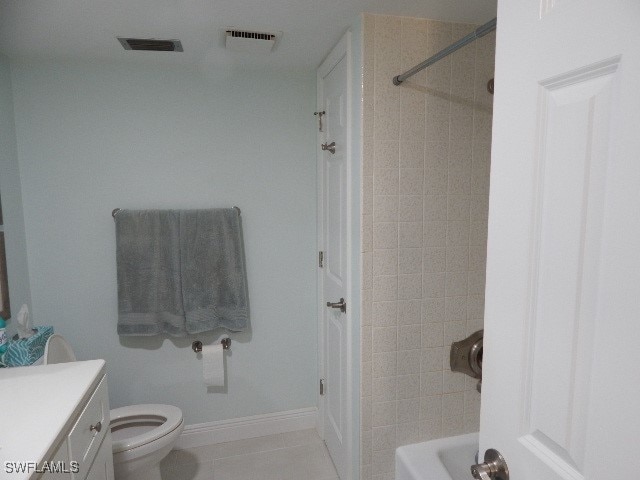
(197, 345)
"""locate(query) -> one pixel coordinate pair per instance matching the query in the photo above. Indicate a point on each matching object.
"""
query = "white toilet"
(142, 435)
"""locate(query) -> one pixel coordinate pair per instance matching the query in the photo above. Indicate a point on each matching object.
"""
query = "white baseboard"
(247, 427)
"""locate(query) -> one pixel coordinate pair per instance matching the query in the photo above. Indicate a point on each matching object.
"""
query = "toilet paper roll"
(213, 365)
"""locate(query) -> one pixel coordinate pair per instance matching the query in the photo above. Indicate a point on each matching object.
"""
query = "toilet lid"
(168, 417)
(58, 350)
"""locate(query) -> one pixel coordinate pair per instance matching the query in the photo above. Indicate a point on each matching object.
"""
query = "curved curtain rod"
(481, 31)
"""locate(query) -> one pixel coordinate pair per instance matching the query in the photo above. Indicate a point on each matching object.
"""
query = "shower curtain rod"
(477, 33)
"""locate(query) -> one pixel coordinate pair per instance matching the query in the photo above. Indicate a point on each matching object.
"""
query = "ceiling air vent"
(250, 41)
(150, 44)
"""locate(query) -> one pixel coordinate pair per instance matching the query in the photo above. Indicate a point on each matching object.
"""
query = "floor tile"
(249, 445)
(189, 471)
(308, 462)
(301, 437)
(299, 455)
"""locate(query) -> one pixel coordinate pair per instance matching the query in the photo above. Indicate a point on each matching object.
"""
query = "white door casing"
(334, 240)
(561, 387)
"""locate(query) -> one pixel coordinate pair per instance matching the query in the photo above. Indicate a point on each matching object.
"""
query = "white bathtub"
(443, 459)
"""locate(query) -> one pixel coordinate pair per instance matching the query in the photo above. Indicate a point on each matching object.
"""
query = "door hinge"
(321, 259)
(322, 386)
(320, 114)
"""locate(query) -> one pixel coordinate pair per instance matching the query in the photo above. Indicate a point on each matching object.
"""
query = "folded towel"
(214, 281)
(148, 263)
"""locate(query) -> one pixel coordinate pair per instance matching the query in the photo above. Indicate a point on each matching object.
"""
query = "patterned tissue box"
(25, 351)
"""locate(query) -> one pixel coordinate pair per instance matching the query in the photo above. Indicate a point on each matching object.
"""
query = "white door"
(334, 277)
(561, 374)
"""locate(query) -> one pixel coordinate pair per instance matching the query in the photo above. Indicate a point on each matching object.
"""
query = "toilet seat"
(170, 416)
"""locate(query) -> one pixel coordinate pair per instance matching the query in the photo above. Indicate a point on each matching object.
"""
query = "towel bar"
(115, 211)
(197, 345)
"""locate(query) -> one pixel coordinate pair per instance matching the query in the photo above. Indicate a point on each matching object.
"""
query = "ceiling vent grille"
(150, 44)
(247, 41)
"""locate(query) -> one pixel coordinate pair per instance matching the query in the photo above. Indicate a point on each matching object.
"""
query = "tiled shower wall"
(426, 154)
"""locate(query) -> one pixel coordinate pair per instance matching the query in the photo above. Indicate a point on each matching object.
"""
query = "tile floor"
(300, 455)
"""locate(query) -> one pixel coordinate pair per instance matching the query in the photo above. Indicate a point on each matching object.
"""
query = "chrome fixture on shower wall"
(466, 356)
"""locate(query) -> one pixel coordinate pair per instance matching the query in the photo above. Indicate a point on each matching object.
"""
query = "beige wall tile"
(367, 270)
(384, 438)
(431, 359)
(456, 308)
(409, 312)
(408, 433)
(385, 235)
(410, 234)
(386, 153)
(456, 284)
(385, 287)
(410, 208)
(434, 259)
(384, 364)
(409, 337)
(433, 285)
(426, 171)
(408, 386)
(410, 261)
(452, 382)
(384, 389)
(385, 339)
(436, 207)
(385, 208)
(432, 335)
(430, 383)
(412, 153)
(412, 101)
(385, 262)
(385, 181)
(384, 461)
(384, 414)
(410, 182)
(435, 233)
(410, 287)
(408, 362)
(433, 310)
(385, 313)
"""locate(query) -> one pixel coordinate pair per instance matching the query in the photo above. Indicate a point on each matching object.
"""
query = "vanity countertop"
(40, 403)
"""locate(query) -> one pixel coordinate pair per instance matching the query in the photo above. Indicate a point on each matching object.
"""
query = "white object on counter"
(45, 401)
(25, 328)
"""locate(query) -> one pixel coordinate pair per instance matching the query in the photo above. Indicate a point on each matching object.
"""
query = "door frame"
(340, 51)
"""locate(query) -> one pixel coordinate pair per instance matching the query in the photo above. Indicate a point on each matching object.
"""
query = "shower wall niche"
(425, 180)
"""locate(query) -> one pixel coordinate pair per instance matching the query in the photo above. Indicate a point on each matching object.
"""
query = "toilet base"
(143, 463)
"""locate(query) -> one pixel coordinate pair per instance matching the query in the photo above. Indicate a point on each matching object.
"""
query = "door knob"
(342, 305)
(493, 468)
(330, 147)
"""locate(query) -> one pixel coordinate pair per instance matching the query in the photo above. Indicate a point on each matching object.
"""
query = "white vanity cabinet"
(87, 446)
(63, 432)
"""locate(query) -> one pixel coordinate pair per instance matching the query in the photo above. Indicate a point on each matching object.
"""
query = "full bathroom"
(380, 215)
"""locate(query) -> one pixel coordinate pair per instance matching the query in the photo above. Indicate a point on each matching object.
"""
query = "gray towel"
(214, 282)
(148, 262)
(180, 272)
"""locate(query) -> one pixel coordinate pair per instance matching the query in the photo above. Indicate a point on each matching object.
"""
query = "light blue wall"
(92, 138)
(12, 200)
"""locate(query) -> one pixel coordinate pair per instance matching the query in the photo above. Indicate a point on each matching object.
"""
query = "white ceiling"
(87, 29)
